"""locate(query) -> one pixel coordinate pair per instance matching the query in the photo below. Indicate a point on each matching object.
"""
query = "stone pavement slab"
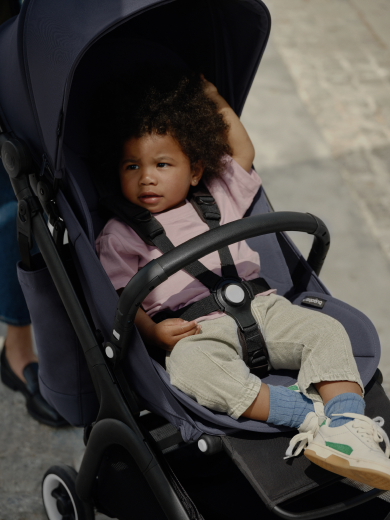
(27, 450)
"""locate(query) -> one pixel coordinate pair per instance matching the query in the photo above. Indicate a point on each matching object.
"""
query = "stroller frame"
(119, 421)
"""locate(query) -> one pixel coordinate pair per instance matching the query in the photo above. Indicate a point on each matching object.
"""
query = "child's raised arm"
(239, 141)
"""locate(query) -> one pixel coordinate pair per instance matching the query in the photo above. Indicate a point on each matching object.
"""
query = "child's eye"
(132, 167)
(162, 165)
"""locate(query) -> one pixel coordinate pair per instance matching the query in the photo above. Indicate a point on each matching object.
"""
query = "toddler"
(155, 137)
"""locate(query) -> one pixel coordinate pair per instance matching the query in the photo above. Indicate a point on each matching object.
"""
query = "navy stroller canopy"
(56, 52)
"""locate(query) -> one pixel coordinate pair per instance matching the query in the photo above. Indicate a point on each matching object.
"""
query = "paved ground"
(319, 115)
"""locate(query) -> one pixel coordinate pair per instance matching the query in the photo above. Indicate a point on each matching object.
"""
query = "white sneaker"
(307, 430)
(353, 450)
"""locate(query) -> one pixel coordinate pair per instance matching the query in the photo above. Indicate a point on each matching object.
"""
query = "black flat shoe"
(36, 405)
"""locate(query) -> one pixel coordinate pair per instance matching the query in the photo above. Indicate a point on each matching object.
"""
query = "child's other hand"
(168, 332)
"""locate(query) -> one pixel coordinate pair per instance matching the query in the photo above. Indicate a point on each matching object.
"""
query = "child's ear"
(197, 172)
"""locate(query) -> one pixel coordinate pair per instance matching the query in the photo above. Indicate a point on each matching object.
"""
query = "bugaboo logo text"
(313, 301)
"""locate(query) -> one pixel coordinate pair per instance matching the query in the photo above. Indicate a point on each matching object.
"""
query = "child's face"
(155, 173)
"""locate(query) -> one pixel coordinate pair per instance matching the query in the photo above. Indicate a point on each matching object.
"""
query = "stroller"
(151, 451)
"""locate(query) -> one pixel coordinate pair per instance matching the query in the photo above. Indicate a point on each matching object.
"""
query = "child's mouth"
(149, 198)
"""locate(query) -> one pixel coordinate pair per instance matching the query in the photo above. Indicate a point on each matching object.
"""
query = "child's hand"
(168, 332)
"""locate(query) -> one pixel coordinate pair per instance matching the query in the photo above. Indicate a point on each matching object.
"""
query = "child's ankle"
(344, 403)
(288, 408)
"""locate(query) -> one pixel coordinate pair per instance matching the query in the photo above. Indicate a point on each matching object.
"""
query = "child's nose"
(148, 176)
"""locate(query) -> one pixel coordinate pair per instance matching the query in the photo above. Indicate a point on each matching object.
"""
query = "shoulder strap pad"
(205, 205)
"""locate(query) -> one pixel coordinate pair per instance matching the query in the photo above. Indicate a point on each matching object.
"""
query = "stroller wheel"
(59, 495)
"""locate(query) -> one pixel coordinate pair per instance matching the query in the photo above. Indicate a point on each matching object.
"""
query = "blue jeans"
(13, 308)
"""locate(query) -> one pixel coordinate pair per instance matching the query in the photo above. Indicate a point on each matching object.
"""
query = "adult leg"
(19, 368)
(19, 349)
(13, 309)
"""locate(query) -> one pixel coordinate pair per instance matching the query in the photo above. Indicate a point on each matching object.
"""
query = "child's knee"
(331, 328)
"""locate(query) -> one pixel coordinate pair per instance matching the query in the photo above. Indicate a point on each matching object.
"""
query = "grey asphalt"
(319, 116)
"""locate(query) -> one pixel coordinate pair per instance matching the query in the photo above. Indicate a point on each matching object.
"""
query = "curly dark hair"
(167, 101)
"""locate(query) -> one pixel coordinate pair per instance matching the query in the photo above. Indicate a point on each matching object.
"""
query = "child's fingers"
(185, 326)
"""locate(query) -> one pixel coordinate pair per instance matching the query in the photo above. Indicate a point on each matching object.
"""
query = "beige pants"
(209, 366)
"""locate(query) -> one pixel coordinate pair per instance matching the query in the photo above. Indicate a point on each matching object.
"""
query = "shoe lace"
(369, 428)
(303, 439)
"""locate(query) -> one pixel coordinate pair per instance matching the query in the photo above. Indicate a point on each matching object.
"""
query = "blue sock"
(344, 403)
(287, 408)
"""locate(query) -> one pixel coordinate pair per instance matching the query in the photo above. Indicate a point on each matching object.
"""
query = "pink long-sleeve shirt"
(123, 253)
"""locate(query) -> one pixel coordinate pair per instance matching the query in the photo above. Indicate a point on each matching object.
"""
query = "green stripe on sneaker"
(294, 388)
(344, 448)
(322, 424)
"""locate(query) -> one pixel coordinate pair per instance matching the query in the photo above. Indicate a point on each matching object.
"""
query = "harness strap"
(139, 219)
(207, 209)
(206, 305)
(254, 349)
(195, 269)
(152, 233)
(149, 229)
(189, 312)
